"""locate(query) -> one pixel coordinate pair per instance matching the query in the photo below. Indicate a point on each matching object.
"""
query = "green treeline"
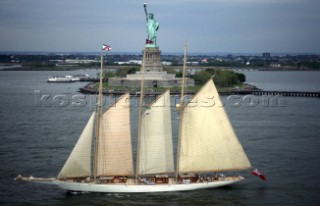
(95, 64)
(222, 78)
(38, 64)
(120, 72)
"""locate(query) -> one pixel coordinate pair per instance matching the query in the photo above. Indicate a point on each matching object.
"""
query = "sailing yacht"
(102, 159)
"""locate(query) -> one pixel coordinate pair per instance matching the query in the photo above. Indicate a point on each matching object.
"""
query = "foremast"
(180, 108)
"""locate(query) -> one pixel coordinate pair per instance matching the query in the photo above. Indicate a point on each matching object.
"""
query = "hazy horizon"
(139, 53)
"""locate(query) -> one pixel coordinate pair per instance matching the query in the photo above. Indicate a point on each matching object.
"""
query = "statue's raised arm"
(145, 9)
(152, 28)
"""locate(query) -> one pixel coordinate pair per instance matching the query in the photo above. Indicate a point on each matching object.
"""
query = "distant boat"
(62, 79)
(102, 159)
(66, 78)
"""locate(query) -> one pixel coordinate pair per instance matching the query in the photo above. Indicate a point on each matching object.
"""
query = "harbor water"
(40, 123)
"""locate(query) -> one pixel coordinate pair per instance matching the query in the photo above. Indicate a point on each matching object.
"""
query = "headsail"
(79, 161)
(114, 155)
(208, 141)
(156, 152)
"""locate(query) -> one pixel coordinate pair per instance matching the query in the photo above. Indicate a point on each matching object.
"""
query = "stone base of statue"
(154, 76)
(152, 61)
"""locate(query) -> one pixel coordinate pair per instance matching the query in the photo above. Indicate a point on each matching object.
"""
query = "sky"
(232, 26)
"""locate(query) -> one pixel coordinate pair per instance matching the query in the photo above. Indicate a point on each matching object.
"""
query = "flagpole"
(100, 84)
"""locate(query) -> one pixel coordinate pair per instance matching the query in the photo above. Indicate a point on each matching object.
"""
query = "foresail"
(79, 161)
(114, 155)
(156, 152)
(208, 141)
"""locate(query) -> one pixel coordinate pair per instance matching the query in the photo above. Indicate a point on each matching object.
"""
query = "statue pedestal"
(154, 76)
(152, 67)
(152, 61)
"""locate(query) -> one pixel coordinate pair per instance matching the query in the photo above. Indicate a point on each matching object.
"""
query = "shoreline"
(90, 89)
(245, 90)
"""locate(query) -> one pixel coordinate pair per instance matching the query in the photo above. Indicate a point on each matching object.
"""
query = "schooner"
(102, 159)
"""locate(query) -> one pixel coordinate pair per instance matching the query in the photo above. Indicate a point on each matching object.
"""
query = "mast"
(183, 72)
(140, 114)
(97, 125)
(181, 110)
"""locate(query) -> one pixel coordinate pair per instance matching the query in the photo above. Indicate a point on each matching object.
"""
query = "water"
(282, 141)
(285, 80)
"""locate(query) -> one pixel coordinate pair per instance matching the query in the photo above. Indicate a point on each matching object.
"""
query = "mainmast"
(97, 125)
(98, 115)
(140, 113)
(181, 108)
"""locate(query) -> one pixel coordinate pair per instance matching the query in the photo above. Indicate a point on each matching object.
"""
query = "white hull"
(59, 81)
(67, 78)
(141, 188)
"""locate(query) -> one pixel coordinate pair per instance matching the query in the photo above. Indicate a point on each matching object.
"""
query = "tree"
(133, 70)
(222, 78)
(201, 77)
(241, 77)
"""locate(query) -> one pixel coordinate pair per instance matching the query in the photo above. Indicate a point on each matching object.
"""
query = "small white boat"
(62, 79)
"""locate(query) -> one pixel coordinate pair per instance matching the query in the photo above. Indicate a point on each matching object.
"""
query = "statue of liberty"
(152, 28)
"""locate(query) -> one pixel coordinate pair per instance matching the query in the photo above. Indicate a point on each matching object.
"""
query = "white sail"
(156, 152)
(114, 155)
(79, 161)
(208, 141)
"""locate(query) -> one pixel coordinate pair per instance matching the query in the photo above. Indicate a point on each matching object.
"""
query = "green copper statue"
(152, 28)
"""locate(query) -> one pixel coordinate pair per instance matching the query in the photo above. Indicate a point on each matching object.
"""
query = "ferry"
(66, 78)
(62, 79)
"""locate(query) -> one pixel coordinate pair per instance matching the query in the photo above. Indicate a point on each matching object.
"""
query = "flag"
(257, 173)
(106, 47)
(149, 41)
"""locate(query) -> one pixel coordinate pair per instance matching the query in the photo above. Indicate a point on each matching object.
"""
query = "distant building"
(79, 61)
(166, 63)
(138, 62)
(275, 65)
(266, 55)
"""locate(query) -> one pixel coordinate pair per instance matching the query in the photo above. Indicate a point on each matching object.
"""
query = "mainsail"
(156, 152)
(114, 155)
(79, 162)
(208, 141)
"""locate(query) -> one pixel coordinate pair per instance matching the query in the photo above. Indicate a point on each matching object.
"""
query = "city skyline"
(230, 26)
